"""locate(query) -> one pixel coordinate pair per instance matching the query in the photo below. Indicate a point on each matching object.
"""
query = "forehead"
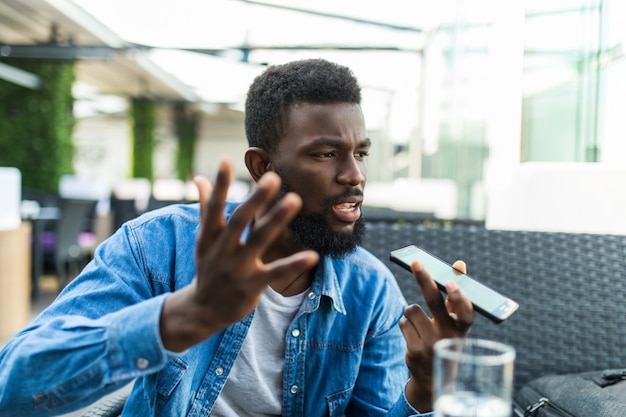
(329, 119)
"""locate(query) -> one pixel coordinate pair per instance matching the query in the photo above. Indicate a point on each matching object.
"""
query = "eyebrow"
(336, 143)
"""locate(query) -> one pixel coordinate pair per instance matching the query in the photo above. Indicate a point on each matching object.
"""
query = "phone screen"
(486, 301)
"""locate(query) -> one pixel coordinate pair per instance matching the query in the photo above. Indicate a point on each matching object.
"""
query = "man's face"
(321, 157)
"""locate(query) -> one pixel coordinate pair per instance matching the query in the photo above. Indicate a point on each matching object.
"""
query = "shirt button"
(295, 332)
(142, 363)
(219, 371)
(311, 295)
(293, 389)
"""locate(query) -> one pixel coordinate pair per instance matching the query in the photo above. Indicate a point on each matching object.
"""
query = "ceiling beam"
(51, 51)
(19, 77)
(106, 53)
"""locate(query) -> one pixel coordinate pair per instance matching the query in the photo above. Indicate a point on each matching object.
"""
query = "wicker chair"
(571, 289)
(110, 407)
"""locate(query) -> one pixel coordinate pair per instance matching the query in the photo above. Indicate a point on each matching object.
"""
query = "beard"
(312, 230)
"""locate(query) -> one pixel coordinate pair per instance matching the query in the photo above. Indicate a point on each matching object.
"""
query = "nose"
(352, 171)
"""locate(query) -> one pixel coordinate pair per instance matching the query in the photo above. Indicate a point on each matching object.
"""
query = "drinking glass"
(473, 378)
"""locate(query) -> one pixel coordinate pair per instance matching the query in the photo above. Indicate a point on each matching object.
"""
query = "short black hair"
(272, 93)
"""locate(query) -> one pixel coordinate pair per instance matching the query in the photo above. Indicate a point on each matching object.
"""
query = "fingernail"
(452, 286)
(262, 180)
(417, 266)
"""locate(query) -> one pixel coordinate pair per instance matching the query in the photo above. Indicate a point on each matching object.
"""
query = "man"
(268, 307)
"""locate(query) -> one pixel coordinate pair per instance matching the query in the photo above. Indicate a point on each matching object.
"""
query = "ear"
(258, 162)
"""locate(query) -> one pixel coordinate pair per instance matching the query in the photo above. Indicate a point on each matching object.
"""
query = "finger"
(434, 300)
(459, 268)
(450, 308)
(213, 198)
(460, 305)
(291, 266)
(414, 324)
(261, 197)
(212, 203)
(410, 333)
(204, 190)
(216, 203)
(273, 222)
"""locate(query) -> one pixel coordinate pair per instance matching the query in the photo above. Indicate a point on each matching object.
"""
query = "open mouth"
(348, 211)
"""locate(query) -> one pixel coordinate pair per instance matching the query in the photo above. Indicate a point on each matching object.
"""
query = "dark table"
(45, 217)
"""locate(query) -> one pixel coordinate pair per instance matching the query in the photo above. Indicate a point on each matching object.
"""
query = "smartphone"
(486, 301)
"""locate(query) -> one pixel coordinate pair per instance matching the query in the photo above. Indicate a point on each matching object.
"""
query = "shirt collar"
(326, 284)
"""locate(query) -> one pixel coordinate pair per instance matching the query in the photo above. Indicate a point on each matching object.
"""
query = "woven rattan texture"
(571, 289)
(111, 407)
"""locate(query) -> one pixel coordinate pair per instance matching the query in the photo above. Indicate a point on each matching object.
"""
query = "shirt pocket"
(337, 403)
(170, 376)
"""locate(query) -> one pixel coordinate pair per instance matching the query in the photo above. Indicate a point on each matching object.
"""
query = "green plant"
(186, 125)
(36, 125)
(143, 120)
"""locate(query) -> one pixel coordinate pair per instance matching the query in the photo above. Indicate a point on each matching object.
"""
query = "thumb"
(460, 266)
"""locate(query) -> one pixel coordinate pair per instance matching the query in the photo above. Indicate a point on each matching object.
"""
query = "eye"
(362, 154)
(325, 154)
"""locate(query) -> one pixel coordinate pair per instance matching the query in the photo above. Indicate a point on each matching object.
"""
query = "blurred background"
(499, 114)
(459, 95)
(506, 114)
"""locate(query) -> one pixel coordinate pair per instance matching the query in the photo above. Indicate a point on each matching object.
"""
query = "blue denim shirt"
(344, 349)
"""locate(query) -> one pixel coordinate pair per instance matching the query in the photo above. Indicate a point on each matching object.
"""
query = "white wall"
(11, 186)
(561, 197)
(103, 145)
(221, 135)
(426, 195)
(165, 146)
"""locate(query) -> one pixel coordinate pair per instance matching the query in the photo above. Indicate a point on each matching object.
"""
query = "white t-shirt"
(255, 384)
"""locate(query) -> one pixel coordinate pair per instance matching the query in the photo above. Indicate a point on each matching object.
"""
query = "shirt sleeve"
(99, 334)
(402, 408)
